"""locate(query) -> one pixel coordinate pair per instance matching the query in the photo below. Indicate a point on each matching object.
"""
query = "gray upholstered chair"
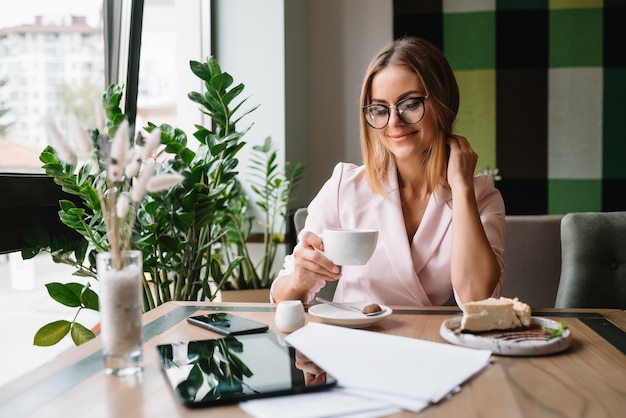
(299, 219)
(593, 272)
(328, 291)
(532, 258)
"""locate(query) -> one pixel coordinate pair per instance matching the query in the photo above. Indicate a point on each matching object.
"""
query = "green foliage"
(74, 295)
(187, 233)
(273, 191)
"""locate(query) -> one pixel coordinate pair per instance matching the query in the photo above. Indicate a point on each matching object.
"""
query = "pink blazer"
(398, 273)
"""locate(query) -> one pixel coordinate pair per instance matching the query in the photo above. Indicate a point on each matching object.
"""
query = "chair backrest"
(593, 274)
(532, 258)
(299, 218)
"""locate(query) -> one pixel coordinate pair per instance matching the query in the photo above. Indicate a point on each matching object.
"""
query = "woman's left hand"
(462, 162)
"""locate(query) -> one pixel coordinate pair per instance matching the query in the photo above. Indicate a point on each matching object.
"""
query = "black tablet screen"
(237, 368)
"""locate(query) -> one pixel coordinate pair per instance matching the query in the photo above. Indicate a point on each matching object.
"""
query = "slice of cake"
(491, 314)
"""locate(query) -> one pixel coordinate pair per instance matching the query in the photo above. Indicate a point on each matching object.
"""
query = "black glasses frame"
(421, 99)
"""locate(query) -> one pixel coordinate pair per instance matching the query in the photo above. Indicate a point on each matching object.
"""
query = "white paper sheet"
(397, 401)
(390, 365)
(329, 403)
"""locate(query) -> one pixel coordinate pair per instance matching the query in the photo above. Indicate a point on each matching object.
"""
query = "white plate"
(337, 316)
(526, 342)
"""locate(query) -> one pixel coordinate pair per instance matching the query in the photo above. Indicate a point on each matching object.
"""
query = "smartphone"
(227, 324)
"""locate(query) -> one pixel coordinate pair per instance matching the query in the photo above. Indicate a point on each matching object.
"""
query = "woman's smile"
(401, 136)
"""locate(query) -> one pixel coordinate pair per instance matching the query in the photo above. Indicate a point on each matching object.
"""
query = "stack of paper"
(399, 372)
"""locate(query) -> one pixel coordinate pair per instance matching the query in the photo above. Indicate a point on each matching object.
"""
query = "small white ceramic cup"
(349, 247)
(289, 315)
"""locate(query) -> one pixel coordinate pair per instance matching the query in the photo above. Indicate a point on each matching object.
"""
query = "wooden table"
(587, 380)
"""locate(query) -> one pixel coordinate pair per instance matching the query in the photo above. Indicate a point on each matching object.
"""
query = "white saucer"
(337, 316)
(525, 342)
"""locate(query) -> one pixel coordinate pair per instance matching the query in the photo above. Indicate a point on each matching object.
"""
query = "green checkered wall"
(542, 87)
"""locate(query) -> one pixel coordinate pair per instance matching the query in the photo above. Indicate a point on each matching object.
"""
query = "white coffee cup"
(289, 315)
(349, 247)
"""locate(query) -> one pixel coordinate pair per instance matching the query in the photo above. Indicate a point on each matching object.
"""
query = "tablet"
(237, 368)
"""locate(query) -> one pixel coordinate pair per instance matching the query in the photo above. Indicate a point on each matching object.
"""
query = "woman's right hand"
(310, 264)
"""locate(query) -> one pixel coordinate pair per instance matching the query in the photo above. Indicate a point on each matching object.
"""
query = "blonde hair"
(433, 69)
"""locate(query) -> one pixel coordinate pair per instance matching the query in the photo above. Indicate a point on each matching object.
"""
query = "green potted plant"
(193, 237)
(272, 195)
(273, 192)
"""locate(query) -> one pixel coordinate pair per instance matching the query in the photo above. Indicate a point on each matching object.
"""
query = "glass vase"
(120, 312)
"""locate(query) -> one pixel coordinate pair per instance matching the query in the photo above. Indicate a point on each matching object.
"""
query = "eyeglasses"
(410, 110)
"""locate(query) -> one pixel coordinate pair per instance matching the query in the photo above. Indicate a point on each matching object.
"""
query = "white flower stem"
(131, 226)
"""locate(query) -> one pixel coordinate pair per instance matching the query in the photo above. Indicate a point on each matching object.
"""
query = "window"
(48, 56)
(47, 70)
(38, 50)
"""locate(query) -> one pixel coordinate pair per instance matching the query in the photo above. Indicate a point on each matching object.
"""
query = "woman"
(441, 230)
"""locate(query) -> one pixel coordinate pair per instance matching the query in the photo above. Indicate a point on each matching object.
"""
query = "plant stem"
(148, 300)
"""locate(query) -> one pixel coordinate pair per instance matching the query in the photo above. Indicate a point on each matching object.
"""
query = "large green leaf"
(51, 333)
(233, 93)
(213, 66)
(66, 205)
(198, 98)
(48, 158)
(64, 294)
(80, 334)
(88, 298)
(221, 82)
(201, 70)
(29, 252)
